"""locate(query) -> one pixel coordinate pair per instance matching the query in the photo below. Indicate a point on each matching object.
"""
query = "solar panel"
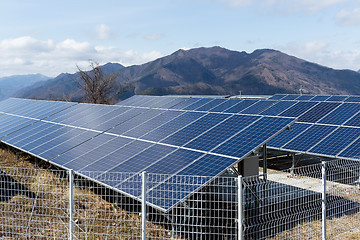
(352, 151)
(298, 109)
(278, 108)
(341, 114)
(309, 138)
(186, 103)
(225, 105)
(353, 99)
(318, 111)
(320, 98)
(304, 97)
(211, 104)
(258, 107)
(288, 135)
(354, 120)
(291, 97)
(198, 104)
(337, 98)
(277, 97)
(336, 141)
(240, 106)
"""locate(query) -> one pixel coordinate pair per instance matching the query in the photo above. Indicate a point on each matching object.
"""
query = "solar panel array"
(164, 135)
(326, 125)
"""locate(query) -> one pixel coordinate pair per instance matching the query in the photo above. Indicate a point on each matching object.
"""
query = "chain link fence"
(44, 204)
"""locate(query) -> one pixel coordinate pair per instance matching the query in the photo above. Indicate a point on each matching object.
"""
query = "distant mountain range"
(10, 85)
(213, 70)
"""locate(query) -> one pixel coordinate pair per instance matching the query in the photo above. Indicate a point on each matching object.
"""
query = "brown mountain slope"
(217, 71)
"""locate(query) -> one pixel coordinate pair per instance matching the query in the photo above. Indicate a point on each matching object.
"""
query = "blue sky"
(51, 37)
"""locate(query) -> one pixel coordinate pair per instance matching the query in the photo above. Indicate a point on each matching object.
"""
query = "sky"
(53, 37)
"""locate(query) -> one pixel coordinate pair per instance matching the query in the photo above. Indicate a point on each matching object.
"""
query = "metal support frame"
(323, 171)
(143, 205)
(240, 208)
(71, 204)
(265, 161)
(292, 164)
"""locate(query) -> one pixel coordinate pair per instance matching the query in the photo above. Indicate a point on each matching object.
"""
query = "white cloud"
(25, 55)
(103, 32)
(238, 3)
(349, 18)
(320, 52)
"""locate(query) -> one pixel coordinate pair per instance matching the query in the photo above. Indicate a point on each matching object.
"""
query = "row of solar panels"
(309, 97)
(112, 139)
(325, 128)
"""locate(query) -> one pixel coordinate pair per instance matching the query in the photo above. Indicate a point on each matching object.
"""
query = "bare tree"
(98, 88)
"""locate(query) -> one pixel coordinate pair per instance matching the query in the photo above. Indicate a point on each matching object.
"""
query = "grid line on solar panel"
(258, 107)
(252, 136)
(336, 141)
(219, 133)
(287, 135)
(298, 109)
(353, 121)
(278, 108)
(225, 105)
(186, 103)
(353, 99)
(341, 114)
(352, 151)
(318, 111)
(194, 129)
(291, 97)
(337, 98)
(241, 106)
(214, 103)
(277, 97)
(311, 136)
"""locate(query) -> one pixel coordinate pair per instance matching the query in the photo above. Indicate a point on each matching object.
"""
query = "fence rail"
(43, 204)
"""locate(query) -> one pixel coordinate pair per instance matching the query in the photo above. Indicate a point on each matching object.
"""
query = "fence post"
(143, 205)
(71, 203)
(240, 208)
(323, 171)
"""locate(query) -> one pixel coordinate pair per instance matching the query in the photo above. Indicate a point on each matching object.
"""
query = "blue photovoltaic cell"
(124, 152)
(13, 124)
(225, 105)
(353, 99)
(211, 104)
(336, 98)
(186, 103)
(320, 98)
(258, 107)
(153, 101)
(298, 109)
(304, 97)
(198, 104)
(287, 135)
(353, 151)
(172, 103)
(291, 97)
(253, 136)
(241, 106)
(309, 138)
(153, 123)
(84, 149)
(278, 108)
(195, 129)
(174, 125)
(341, 114)
(317, 112)
(220, 133)
(277, 97)
(354, 121)
(336, 141)
(144, 159)
(135, 121)
(129, 101)
(10, 104)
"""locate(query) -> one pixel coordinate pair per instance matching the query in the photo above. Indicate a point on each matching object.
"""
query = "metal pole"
(292, 165)
(323, 171)
(240, 208)
(265, 161)
(143, 206)
(71, 203)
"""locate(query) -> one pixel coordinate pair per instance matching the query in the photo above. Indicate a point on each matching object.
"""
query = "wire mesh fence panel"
(283, 205)
(343, 198)
(33, 204)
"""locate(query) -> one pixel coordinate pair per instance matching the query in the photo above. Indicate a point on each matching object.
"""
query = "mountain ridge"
(214, 70)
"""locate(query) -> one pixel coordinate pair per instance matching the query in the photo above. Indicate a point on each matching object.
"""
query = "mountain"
(215, 70)
(10, 85)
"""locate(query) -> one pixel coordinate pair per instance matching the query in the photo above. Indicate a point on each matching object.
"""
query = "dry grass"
(36, 206)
